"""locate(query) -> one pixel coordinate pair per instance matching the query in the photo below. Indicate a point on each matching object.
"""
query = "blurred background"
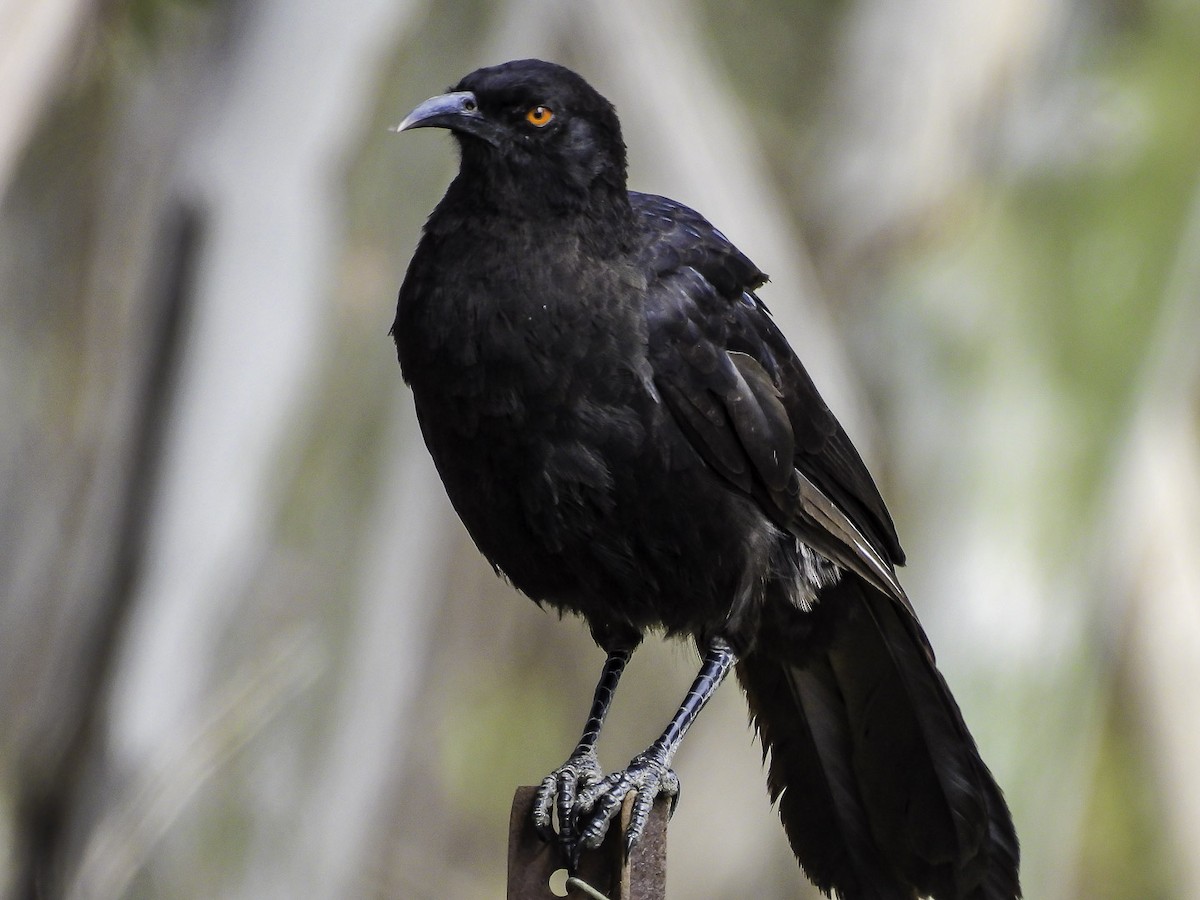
(245, 648)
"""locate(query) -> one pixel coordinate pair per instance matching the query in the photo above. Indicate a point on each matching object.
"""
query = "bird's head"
(533, 134)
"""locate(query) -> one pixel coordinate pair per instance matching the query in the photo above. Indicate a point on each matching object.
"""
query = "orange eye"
(539, 116)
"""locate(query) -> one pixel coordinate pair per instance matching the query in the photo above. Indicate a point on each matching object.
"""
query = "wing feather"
(737, 390)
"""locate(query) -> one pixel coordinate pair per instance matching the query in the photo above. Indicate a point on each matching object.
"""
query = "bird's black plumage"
(627, 435)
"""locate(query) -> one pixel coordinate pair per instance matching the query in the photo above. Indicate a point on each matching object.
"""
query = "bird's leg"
(582, 768)
(649, 773)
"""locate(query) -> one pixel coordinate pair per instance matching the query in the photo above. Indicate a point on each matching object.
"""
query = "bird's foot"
(559, 790)
(648, 774)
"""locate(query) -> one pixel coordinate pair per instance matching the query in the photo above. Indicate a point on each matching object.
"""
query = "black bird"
(627, 435)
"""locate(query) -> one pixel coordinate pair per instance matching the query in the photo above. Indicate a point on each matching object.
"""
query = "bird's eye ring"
(539, 116)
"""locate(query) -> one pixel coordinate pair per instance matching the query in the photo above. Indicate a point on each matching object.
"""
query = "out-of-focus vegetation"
(245, 650)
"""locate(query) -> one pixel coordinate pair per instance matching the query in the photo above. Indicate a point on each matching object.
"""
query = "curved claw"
(648, 776)
(643, 802)
(559, 791)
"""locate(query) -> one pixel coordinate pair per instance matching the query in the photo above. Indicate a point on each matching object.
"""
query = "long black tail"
(879, 784)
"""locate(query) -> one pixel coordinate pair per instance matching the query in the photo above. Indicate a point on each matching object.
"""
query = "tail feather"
(880, 786)
(802, 723)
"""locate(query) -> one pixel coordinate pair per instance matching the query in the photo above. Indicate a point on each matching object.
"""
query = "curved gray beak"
(457, 111)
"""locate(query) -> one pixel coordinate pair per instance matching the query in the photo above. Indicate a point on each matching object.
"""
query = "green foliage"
(148, 19)
(1125, 852)
(1101, 238)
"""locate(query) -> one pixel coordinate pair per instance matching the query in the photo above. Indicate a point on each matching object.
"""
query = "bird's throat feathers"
(521, 185)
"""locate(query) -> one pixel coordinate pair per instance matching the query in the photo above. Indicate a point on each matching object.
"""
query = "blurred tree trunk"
(97, 261)
(100, 248)
(1154, 522)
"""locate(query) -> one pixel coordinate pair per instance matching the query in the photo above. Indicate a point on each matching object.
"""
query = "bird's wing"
(740, 394)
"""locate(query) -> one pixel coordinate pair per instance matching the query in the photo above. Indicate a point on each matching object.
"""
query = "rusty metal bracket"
(532, 862)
